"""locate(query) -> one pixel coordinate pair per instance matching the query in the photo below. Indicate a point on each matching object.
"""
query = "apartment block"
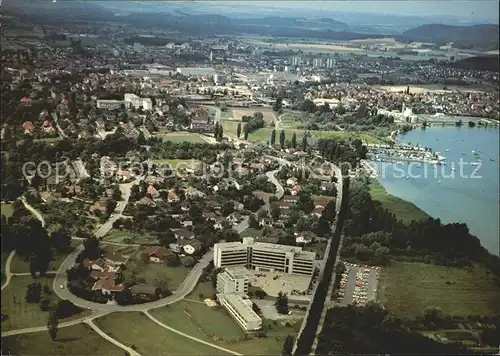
(110, 104)
(241, 310)
(264, 257)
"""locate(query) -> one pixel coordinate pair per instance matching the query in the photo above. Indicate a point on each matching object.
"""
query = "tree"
(65, 309)
(172, 260)
(294, 141)
(33, 293)
(216, 129)
(189, 262)
(282, 139)
(245, 132)
(238, 130)
(278, 104)
(252, 222)
(221, 133)
(52, 324)
(61, 240)
(141, 140)
(287, 346)
(304, 141)
(273, 137)
(275, 211)
(281, 303)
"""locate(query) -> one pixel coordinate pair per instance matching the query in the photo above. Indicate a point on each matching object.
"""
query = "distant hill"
(483, 37)
(490, 63)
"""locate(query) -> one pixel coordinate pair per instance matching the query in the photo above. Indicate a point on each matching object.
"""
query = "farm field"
(72, 340)
(137, 331)
(230, 127)
(178, 137)
(403, 209)
(406, 289)
(20, 313)
(7, 209)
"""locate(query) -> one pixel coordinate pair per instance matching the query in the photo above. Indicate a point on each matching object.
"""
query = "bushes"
(65, 309)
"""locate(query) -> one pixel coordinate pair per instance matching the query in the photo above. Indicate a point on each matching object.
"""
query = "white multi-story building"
(111, 104)
(330, 63)
(241, 310)
(317, 62)
(233, 280)
(264, 257)
(138, 102)
(296, 61)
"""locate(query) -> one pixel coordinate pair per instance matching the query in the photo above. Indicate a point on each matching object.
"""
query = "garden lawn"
(6, 209)
(137, 331)
(155, 272)
(119, 236)
(250, 232)
(205, 288)
(22, 314)
(178, 137)
(406, 289)
(73, 340)
(403, 209)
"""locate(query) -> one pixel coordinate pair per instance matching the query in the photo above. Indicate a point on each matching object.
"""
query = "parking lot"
(274, 282)
(358, 284)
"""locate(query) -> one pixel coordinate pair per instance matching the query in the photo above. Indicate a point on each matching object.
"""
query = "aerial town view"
(250, 178)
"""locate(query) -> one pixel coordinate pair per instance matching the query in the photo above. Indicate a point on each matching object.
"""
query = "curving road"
(280, 191)
(33, 211)
(8, 273)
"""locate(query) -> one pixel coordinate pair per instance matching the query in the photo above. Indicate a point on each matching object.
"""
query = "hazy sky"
(482, 10)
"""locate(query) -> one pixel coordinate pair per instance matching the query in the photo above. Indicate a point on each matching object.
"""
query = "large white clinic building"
(234, 280)
(241, 310)
(264, 257)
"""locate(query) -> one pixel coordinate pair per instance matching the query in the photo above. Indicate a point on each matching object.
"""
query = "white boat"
(453, 169)
(439, 181)
(475, 163)
(447, 150)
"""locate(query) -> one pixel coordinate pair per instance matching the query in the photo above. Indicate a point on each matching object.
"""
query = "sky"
(474, 10)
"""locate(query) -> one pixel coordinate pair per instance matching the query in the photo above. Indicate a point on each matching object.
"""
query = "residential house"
(144, 290)
(47, 197)
(304, 237)
(292, 181)
(321, 202)
(295, 190)
(290, 199)
(146, 202)
(157, 254)
(123, 175)
(187, 223)
(190, 247)
(317, 211)
(96, 274)
(51, 182)
(185, 205)
(182, 233)
(266, 222)
(98, 206)
(176, 246)
(201, 126)
(235, 217)
(107, 286)
(172, 197)
(257, 167)
(209, 215)
(73, 189)
(153, 192)
(191, 192)
(237, 205)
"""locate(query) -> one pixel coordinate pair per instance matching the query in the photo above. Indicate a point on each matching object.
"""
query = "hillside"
(483, 37)
(490, 63)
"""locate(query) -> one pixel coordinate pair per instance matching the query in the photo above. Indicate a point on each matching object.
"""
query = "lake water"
(453, 195)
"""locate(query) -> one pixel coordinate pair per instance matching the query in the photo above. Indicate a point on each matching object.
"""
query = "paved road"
(279, 188)
(189, 336)
(130, 351)
(8, 274)
(59, 129)
(33, 211)
(242, 225)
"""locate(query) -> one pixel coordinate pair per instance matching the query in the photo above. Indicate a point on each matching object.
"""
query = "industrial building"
(264, 257)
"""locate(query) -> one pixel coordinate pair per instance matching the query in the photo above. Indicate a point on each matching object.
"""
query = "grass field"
(154, 272)
(250, 232)
(21, 314)
(137, 331)
(406, 289)
(262, 135)
(178, 137)
(230, 127)
(119, 236)
(403, 209)
(73, 340)
(217, 326)
(6, 209)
